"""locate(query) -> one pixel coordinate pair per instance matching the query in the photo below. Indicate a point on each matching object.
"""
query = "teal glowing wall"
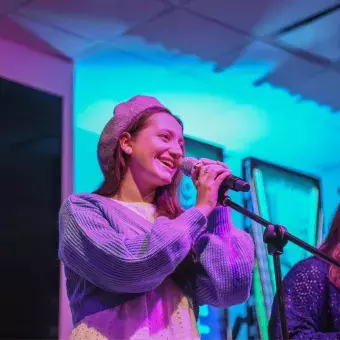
(220, 108)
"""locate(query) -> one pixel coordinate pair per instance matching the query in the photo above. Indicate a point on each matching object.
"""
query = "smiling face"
(155, 151)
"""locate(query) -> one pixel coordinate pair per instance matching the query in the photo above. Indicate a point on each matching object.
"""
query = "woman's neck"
(130, 192)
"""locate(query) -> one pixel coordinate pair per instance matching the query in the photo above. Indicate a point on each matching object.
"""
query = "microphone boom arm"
(276, 237)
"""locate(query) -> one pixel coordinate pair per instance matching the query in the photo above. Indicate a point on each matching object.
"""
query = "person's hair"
(331, 246)
(166, 197)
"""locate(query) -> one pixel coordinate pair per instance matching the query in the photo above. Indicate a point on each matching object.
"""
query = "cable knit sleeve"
(227, 256)
(92, 246)
(306, 303)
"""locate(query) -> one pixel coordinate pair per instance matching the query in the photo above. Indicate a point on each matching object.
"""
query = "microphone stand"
(276, 237)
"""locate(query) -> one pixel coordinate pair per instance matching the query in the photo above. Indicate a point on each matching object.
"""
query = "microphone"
(231, 182)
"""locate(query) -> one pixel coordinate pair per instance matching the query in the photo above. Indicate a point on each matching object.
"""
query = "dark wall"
(30, 191)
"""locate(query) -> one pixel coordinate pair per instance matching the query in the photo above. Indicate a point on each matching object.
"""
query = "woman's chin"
(164, 179)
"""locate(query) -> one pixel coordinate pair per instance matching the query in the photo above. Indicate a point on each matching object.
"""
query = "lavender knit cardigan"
(111, 254)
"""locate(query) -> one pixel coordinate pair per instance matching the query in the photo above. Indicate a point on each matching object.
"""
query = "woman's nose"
(176, 151)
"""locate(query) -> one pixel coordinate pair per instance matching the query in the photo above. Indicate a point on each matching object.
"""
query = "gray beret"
(125, 114)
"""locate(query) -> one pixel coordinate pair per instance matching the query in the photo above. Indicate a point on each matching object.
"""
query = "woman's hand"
(207, 176)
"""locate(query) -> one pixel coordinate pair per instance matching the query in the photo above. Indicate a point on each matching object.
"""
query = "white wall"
(54, 75)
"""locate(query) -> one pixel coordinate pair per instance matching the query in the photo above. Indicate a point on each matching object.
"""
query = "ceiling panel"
(139, 46)
(260, 17)
(337, 65)
(320, 37)
(321, 88)
(10, 30)
(256, 55)
(135, 46)
(68, 44)
(190, 34)
(293, 71)
(328, 92)
(171, 31)
(10, 6)
(99, 20)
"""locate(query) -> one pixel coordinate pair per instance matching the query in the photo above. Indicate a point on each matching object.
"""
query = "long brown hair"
(331, 247)
(166, 197)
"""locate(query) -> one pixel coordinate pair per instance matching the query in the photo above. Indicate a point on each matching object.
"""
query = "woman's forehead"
(165, 121)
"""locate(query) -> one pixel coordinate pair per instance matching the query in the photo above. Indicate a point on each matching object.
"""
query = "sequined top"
(312, 303)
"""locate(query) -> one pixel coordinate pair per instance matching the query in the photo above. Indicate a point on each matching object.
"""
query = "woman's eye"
(166, 137)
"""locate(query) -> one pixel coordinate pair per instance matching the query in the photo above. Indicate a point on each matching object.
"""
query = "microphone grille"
(187, 164)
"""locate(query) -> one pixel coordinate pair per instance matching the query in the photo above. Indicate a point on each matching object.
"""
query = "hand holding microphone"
(211, 179)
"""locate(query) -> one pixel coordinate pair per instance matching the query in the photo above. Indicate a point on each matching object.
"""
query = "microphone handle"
(235, 183)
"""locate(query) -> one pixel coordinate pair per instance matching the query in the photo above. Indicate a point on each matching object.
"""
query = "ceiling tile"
(320, 37)
(337, 65)
(10, 6)
(328, 92)
(255, 55)
(10, 30)
(135, 46)
(260, 17)
(98, 20)
(321, 87)
(190, 34)
(294, 70)
(68, 44)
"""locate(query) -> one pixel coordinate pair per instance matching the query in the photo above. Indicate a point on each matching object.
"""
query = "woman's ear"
(125, 142)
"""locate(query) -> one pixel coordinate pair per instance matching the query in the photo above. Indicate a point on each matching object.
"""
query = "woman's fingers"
(207, 161)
